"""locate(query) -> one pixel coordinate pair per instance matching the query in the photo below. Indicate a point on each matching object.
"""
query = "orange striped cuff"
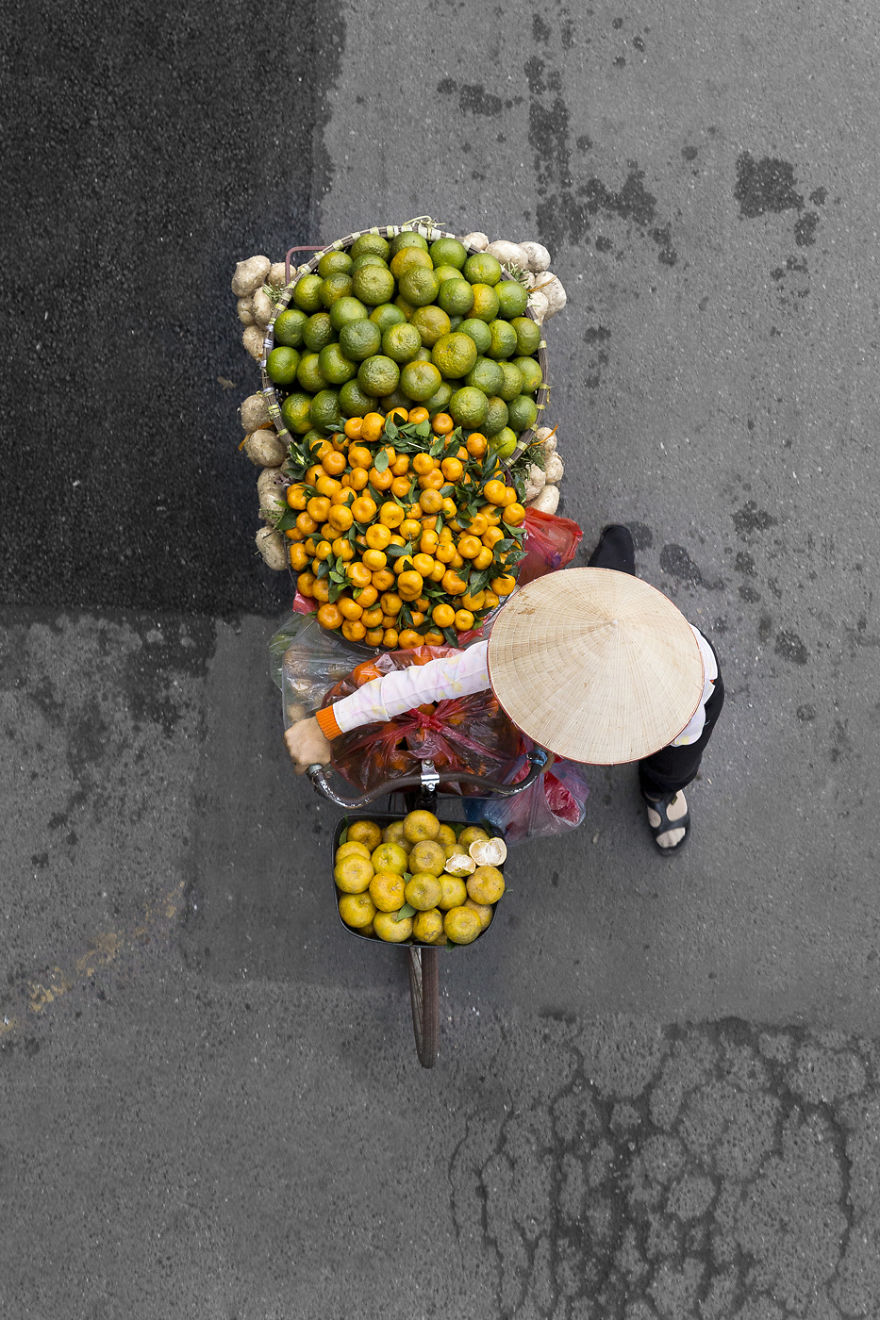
(327, 723)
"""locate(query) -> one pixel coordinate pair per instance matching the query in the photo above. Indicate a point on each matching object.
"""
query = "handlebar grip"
(319, 777)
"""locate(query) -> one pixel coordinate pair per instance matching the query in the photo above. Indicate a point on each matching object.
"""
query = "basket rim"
(428, 231)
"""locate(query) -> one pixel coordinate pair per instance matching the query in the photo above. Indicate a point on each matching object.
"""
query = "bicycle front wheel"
(424, 994)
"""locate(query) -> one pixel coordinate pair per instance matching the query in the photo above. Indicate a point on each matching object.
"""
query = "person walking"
(593, 664)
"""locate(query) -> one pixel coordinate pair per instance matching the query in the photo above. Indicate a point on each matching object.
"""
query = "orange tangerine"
(377, 536)
(401, 487)
(397, 415)
(443, 616)
(366, 596)
(353, 427)
(474, 603)
(323, 550)
(364, 509)
(423, 563)
(410, 528)
(329, 616)
(390, 603)
(298, 557)
(452, 583)
(358, 574)
(476, 444)
(391, 515)
(492, 536)
(409, 584)
(442, 423)
(504, 585)
(358, 478)
(431, 501)
(313, 473)
(514, 514)
(389, 621)
(373, 637)
(390, 638)
(433, 638)
(408, 638)
(321, 590)
(328, 486)
(296, 496)
(343, 549)
(353, 630)
(374, 560)
(359, 456)
(373, 617)
(478, 524)
(450, 508)
(432, 480)
(305, 584)
(428, 541)
(464, 620)
(457, 559)
(374, 425)
(423, 463)
(383, 579)
(436, 573)
(444, 552)
(306, 523)
(319, 507)
(490, 600)
(400, 464)
(418, 415)
(418, 615)
(334, 463)
(496, 491)
(349, 608)
(452, 469)
(483, 558)
(381, 480)
(469, 546)
(340, 517)
(293, 534)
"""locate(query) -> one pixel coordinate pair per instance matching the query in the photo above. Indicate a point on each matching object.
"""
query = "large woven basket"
(430, 232)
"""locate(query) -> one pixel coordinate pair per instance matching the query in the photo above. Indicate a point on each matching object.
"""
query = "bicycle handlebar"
(537, 761)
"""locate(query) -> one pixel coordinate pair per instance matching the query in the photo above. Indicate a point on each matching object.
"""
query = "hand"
(307, 745)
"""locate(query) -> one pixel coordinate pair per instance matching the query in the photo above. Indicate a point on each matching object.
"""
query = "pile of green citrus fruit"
(397, 323)
(417, 880)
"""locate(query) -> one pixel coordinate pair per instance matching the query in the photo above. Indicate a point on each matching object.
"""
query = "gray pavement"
(658, 1090)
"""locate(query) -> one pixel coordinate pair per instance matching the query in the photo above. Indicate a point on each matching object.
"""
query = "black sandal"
(684, 822)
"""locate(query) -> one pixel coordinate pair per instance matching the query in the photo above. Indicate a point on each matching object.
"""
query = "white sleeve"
(380, 700)
(692, 730)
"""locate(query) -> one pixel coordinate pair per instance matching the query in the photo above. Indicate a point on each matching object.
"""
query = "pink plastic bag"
(553, 804)
(550, 543)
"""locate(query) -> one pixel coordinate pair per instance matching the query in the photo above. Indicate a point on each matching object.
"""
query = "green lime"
(439, 399)
(373, 285)
(418, 286)
(345, 310)
(511, 381)
(503, 343)
(331, 262)
(324, 409)
(482, 268)
(401, 342)
(335, 366)
(288, 328)
(522, 413)
(335, 286)
(468, 406)
(448, 252)
(456, 297)
(281, 365)
(486, 375)
(424, 353)
(368, 259)
(295, 413)
(454, 355)
(455, 322)
(431, 322)
(485, 306)
(420, 380)
(309, 375)
(478, 331)
(386, 314)
(317, 331)
(361, 339)
(512, 299)
(408, 257)
(503, 442)
(378, 375)
(528, 335)
(532, 375)
(445, 273)
(407, 238)
(373, 244)
(307, 293)
(396, 399)
(496, 416)
(353, 402)
(313, 438)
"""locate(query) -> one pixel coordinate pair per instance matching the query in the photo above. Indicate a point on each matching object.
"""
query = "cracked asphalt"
(657, 1096)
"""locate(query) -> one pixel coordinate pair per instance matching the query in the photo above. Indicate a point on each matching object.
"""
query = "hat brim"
(595, 665)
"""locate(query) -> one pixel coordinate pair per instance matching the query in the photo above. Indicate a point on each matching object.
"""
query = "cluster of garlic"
(542, 482)
(529, 262)
(255, 307)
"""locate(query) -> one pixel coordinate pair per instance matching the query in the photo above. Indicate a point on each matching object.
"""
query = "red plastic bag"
(553, 804)
(550, 543)
(464, 733)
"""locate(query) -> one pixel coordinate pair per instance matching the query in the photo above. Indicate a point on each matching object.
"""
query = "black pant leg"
(615, 550)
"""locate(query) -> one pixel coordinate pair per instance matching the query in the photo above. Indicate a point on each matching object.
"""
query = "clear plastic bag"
(550, 543)
(469, 733)
(305, 660)
(553, 804)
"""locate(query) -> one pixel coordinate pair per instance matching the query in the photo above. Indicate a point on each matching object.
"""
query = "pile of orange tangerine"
(402, 529)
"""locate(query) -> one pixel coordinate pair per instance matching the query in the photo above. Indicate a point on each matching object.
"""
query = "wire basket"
(430, 232)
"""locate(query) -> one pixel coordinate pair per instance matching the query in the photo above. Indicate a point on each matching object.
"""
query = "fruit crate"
(386, 818)
(429, 232)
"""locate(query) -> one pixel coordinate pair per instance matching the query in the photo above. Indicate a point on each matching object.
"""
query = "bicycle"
(422, 791)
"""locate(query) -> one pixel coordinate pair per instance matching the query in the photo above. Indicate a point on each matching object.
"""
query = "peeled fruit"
(488, 852)
(460, 864)
(486, 885)
(462, 925)
(428, 856)
(420, 825)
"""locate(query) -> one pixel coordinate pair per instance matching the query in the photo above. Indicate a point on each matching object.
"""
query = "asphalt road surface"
(658, 1094)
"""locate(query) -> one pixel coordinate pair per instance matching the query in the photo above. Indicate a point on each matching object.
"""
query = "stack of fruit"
(399, 323)
(417, 880)
(403, 532)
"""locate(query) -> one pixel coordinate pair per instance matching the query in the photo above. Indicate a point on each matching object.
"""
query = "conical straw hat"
(595, 665)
